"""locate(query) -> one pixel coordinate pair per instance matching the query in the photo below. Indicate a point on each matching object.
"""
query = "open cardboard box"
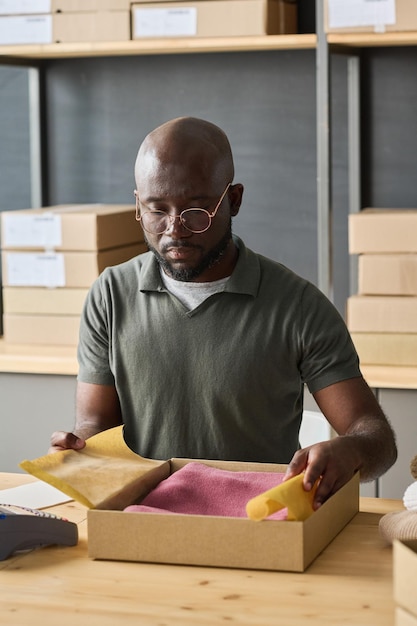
(405, 574)
(218, 541)
(106, 476)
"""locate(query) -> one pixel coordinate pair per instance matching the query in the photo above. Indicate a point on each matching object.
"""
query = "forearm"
(85, 429)
(367, 446)
(97, 409)
(373, 446)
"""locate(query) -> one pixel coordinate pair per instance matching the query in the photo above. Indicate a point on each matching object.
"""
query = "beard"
(188, 274)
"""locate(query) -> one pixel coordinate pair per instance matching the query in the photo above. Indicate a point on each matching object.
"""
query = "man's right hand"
(60, 440)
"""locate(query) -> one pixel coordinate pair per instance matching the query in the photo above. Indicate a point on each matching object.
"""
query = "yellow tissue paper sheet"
(104, 474)
(289, 494)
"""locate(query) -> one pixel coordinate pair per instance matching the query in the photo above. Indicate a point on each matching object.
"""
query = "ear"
(137, 214)
(235, 198)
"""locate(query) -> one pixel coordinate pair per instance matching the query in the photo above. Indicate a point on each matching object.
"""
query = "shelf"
(390, 376)
(23, 359)
(62, 360)
(157, 46)
(201, 44)
(369, 40)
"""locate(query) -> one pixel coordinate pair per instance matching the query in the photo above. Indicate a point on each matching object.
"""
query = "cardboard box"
(383, 314)
(70, 227)
(387, 274)
(24, 7)
(405, 576)
(221, 541)
(213, 18)
(383, 231)
(367, 16)
(48, 330)
(64, 28)
(41, 301)
(386, 348)
(61, 269)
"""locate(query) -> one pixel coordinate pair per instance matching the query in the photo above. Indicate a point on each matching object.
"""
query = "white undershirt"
(192, 294)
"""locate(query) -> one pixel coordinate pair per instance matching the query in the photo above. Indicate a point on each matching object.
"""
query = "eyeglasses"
(194, 220)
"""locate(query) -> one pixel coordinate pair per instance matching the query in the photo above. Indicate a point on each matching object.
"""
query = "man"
(201, 347)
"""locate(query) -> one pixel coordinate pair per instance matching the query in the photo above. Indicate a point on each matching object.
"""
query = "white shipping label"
(43, 230)
(345, 13)
(17, 30)
(18, 7)
(175, 22)
(28, 269)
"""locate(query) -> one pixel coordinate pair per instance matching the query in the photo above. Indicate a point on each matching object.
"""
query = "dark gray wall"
(389, 121)
(98, 110)
(14, 139)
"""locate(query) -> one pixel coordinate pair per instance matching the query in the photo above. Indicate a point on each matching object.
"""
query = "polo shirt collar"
(246, 276)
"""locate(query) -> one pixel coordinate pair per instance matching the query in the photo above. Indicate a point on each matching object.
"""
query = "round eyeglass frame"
(171, 218)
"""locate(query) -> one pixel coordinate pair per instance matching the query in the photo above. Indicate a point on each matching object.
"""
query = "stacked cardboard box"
(367, 16)
(382, 317)
(405, 572)
(50, 257)
(213, 18)
(63, 21)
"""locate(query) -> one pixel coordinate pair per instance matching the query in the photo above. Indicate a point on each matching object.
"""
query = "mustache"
(178, 243)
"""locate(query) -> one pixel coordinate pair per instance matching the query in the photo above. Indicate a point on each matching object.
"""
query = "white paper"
(175, 22)
(43, 230)
(16, 30)
(31, 269)
(377, 13)
(36, 495)
(16, 7)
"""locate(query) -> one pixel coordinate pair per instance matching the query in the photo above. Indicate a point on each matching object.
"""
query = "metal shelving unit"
(35, 57)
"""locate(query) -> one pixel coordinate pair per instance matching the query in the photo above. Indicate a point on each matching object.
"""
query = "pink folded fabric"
(197, 489)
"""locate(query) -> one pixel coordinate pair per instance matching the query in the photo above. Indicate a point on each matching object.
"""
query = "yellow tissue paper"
(289, 494)
(104, 474)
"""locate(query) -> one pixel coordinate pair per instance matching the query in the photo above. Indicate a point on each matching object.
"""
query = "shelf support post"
(324, 209)
(354, 155)
(35, 137)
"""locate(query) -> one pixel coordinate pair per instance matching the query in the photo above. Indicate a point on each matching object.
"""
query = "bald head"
(185, 148)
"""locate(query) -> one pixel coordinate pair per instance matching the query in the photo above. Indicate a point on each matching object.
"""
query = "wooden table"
(349, 583)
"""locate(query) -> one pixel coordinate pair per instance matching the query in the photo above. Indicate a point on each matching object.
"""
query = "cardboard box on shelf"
(64, 28)
(404, 575)
(43, 301)
(221, 541)
(75, 227)
(383, 314)
(22, 7)
(79, 6)
(383, 230)
(386, 348)
(368, 16)
(61, 269)
(47, 330)
(213, 18)
(387, 274)
(90, 27)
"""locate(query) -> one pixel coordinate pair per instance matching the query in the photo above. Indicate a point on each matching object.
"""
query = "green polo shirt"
(224, 381)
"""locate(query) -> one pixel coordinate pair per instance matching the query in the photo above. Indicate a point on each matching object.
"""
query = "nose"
(176, 228)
